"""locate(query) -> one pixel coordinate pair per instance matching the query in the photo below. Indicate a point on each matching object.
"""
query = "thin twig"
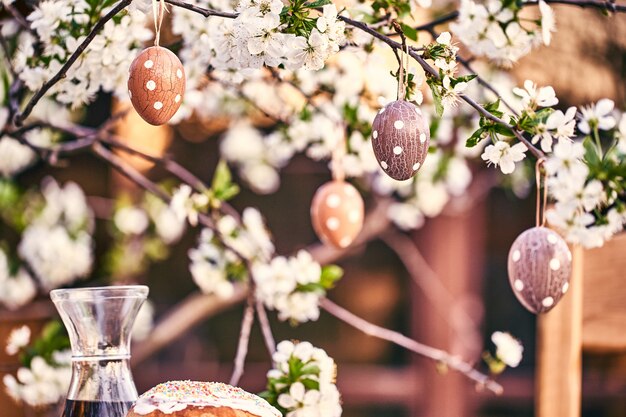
(266, 329)
(129, 172)
(601, 5)
(244, 341)
(399, 339)
(7, 56)
(201, 10)
(18, 16)
(20, 117)
(438, 21)
(168, 163)
(424, 276)
(486, 84)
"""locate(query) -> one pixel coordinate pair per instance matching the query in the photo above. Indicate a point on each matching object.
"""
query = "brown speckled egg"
(540, 266)
(156, 84)
(400, 138)
(337, 213)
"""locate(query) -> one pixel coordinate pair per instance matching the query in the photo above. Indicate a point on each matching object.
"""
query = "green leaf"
(502, 130)
(591, 152)
(493, 106)
(223, 187)
(330, 275)
(434, 88)
(463, 79)
(318, 3)
(311, 369)
(310, 384)
(410, 32)
(476, 137)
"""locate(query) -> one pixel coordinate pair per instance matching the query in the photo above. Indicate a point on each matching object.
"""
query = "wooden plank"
(559, 351)
(453, 246)
(604, 299)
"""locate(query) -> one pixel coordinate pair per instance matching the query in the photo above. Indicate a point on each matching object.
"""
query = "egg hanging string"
(540, 215)
(336, 163)
(403, 73)
(158, 10)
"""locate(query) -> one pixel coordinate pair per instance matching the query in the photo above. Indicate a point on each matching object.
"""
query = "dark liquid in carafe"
(96, 408)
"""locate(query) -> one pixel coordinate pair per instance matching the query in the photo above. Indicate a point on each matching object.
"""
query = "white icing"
(215, 395)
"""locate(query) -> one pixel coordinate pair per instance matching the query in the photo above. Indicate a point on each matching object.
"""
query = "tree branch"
(184, 316)
(268, 337)
(244, 341)
(201, 10)
(424, 277)
(601, 5)
(129, 172)
(20, 117)
(399, 339)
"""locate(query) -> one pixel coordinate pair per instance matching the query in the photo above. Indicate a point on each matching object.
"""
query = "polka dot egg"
(337, 213)
(400, 138)
(156, 84)
(540, 266)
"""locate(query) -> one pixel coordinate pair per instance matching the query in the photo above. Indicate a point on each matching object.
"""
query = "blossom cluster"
(15, 156)
(16, 287)
(582, 175)
(142, 233)
(57, 243)
(293, 285)
(302, 382)
(581, 179)
(42, 383)
(446, 88)
(61, 26)
(497, 30)
(216, 263)
(44, 377)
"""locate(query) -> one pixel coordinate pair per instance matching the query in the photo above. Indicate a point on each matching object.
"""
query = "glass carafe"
(99, 322)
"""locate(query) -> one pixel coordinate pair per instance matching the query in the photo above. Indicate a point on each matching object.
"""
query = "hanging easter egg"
(337, 213)
(400, 138)
(540, 266)
(156, 84)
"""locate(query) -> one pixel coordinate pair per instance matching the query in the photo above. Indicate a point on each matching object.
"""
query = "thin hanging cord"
(158, 10)
(406, 68)
(337, 156)
(540, 215)
(401, 86)
(403, 62)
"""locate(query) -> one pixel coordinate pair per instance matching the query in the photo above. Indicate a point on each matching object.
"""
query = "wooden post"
(559, 351)
(454, 248)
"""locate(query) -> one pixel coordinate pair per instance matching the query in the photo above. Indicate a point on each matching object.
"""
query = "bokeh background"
(455, 306)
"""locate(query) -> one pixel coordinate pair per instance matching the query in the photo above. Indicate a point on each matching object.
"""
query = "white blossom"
(185, 203)
(504, 155)
(508, 349)
(480, 28)
(277, 286)
(296, 398)
(548, 22)
(18, 339)
(533, 97)
(41, 384)
(597, 115)
(16, 290)
(208, 266)
(131, 220)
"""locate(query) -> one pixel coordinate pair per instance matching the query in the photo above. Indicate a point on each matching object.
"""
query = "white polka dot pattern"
(156, 84)
(337, 213)
(400, 138)
(539, 269)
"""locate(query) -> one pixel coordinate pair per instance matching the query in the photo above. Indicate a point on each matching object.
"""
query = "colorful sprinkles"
(170, 396)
